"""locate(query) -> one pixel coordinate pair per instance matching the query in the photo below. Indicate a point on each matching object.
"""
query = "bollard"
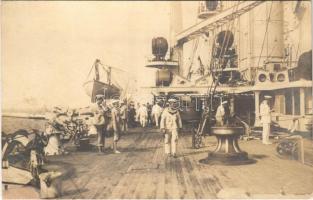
(50, 185)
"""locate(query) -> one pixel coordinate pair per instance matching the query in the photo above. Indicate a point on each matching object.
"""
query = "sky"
(49, 47)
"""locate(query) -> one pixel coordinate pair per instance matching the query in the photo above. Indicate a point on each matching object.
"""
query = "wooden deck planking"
(308, 152)
(160, 185)
(130, 180)
(203, 176)
(145, 168)
(99, 171)
(110, 175)
(133, 177)
(195, 181)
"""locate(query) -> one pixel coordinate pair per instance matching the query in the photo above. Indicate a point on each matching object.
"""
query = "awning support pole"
(257, 121)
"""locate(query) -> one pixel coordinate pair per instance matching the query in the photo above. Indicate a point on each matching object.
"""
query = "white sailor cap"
(224, 102)
(172, 100)
(99, 96)
(267, 97)
(114, 101)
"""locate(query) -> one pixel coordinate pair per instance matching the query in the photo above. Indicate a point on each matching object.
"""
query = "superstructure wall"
(271, 32)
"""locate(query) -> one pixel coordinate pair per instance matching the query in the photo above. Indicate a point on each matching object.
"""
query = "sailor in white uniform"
(265, 114)
(116, 123)
(220, 114)
(156, 113)
(143, 115)
(170, 125)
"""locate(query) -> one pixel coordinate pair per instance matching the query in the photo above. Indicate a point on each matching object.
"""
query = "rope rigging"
(212, 89)
(120, 83)
(265, 34)
(195, 46)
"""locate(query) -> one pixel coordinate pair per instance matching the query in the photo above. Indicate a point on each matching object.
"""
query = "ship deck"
(143, 171)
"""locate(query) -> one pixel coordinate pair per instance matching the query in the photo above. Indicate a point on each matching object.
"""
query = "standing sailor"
(116, 122)
(132, 115)
(170, 125)
(100, 120)
(137, 107)
(56, 126)
(156, 113)
(265, 114)
(124, 115)
(143, 115)
(220, 114)
(149, 116)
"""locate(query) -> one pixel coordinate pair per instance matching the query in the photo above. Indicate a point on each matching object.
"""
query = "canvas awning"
(194, 89)
(231, 90)
(277, 86)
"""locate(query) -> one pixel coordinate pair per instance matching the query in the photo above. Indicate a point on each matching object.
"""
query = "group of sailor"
(104, 116)
(117, 116)
(223, 114)
(167, 119)
(147, 114)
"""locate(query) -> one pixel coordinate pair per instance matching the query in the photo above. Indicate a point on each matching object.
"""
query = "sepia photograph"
(156, 99)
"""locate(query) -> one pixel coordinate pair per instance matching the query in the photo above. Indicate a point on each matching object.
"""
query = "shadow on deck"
(142, 171)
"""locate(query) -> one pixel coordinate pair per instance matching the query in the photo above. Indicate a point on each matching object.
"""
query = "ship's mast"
(97, 74)
(108, 71)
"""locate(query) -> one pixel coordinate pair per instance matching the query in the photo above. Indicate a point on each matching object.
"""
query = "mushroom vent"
(159, 48)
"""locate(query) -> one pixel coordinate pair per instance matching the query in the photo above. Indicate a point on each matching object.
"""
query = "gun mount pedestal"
(227, 151)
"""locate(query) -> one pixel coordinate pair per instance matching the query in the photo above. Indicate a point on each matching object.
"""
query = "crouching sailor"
(170, 125)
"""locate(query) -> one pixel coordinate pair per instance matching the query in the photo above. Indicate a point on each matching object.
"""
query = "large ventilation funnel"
(159, 48)
(207, 9)
(304, 68)
(224, 41)
(211, 5)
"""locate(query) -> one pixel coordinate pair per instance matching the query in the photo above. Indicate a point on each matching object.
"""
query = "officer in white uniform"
(170, 125)
(265, 114)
